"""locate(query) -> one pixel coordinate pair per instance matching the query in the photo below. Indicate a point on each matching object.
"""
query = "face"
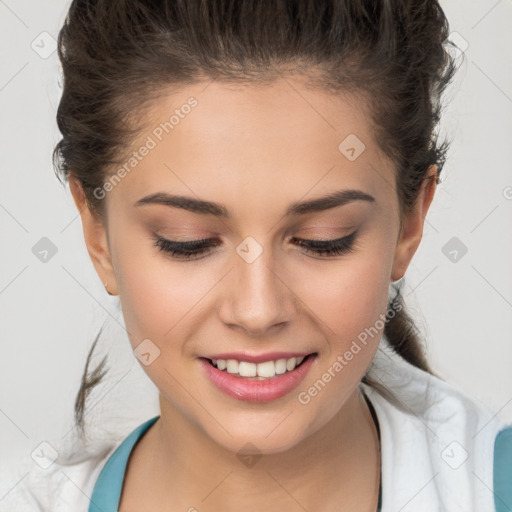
(248, 261)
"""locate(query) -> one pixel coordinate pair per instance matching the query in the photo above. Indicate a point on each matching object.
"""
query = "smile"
(257, 382)
(267, 369)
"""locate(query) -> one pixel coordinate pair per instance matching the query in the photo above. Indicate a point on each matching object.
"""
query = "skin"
(255, 149)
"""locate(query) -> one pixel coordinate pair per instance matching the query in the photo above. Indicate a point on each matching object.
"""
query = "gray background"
(51, 311)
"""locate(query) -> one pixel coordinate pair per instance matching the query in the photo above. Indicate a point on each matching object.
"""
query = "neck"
(186, 467)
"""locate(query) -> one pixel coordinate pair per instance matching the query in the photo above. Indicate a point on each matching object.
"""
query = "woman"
(253, 179)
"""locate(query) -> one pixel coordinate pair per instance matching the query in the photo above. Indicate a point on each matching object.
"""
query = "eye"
(194, 248)
(328, 247)
(185, 250)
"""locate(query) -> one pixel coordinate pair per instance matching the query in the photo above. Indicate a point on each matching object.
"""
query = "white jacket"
(437, 447)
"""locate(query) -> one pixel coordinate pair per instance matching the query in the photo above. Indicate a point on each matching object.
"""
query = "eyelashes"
(334, 247)
(185, 250)
(195, 248)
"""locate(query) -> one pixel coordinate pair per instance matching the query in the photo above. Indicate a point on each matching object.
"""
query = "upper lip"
(260, 358)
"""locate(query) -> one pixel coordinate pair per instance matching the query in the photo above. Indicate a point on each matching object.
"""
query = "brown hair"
(120, 55)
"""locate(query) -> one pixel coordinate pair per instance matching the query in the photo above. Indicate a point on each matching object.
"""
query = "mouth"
(266, 380)
(270, 369)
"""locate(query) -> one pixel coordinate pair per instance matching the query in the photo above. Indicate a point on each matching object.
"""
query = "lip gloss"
(253, 390)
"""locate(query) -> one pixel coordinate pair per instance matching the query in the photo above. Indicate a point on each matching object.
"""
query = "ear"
(95, 235)
(412, 226)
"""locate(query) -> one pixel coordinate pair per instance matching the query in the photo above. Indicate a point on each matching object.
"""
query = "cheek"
(348, 301)
(346, 296)
(156, 294)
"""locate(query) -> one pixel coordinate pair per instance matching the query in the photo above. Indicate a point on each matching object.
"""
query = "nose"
(256, 296)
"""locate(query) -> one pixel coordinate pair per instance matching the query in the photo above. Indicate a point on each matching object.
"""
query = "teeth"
(246, 369)
(280, 366)
(290, 364)
(231, 366)
(268, 369)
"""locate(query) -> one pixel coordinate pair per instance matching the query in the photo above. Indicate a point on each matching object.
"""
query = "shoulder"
(408, 392)
(435, 437)
(60, 474)
(425, 399)
(51, 487)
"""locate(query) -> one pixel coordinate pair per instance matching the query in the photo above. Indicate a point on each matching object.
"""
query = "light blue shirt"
(107, 490)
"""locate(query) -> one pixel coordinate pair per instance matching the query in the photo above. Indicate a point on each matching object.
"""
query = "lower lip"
(251, 390)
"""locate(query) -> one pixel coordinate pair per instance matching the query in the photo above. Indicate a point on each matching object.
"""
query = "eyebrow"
(338, 198)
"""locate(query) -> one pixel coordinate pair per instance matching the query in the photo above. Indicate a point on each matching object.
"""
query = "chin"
(263, 436)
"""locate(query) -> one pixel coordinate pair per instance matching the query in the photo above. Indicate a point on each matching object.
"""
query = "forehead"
(276, 141)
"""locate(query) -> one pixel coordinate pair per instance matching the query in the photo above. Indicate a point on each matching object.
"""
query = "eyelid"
(200, 248)
(327, 233)
(326, 240)
(214, 242)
